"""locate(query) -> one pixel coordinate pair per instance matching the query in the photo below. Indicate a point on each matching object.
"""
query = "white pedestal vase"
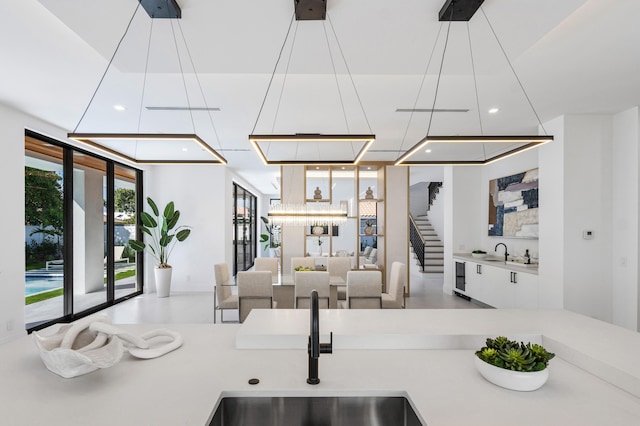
(163, 281)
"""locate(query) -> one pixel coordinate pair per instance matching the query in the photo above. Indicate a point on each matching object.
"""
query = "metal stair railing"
(417, 242)
(434, 188)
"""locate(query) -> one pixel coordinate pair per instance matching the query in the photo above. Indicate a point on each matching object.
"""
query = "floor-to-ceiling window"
(244, 228)
(79, 216)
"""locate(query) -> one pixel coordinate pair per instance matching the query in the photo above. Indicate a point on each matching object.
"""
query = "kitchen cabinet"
(499, 286)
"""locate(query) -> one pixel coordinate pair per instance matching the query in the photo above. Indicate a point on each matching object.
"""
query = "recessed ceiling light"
(184, 149)
(427, 151)
(493, 110)
(119, 107)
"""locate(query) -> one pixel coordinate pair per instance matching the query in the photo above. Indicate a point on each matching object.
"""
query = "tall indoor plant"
(268, 238)
(164, 235)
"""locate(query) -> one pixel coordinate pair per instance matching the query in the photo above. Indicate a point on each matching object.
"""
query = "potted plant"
(269, 237)
(164, 235)
(513, 365)
(368, 227)
(480, 254)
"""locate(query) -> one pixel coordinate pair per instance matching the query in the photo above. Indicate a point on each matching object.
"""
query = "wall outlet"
(587, 235)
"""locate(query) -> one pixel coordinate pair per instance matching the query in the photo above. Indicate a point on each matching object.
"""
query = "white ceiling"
(572, 56)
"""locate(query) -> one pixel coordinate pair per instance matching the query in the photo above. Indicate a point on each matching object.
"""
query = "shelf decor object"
(311, 148)
(148, 147)
(466, 149)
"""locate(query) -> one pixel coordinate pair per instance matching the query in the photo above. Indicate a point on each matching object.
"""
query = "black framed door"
(244, 228)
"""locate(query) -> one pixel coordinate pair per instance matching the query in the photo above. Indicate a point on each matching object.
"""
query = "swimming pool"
(37, 284)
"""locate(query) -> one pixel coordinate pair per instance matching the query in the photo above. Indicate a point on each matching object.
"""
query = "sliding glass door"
(80, 212)
(244, 228)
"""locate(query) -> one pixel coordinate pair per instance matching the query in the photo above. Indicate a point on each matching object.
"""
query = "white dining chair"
(267, 264)
(394, 298)
(364, 290)
(255, 291)
(312, 280)
(223, 297)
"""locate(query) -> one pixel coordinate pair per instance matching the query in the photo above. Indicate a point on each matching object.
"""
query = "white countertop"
(532, 269)
(183, 387)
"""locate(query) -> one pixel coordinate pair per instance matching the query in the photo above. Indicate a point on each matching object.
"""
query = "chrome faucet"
(506, 254)
(528, 257)
(315, 348)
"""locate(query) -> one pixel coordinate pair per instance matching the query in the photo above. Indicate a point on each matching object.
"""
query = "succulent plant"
(511, 355)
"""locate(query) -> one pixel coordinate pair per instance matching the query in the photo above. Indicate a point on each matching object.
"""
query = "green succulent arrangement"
(303, 268)
(511, 355)
(479, 252)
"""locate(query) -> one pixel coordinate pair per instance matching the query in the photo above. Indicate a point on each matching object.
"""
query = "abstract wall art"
(513, 205)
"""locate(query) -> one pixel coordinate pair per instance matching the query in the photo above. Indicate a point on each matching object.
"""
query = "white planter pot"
(163, 281)
(514, 380)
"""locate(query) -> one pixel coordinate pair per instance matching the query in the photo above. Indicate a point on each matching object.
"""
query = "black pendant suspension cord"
(514, 72)
(273, 74)
(335, 76)
(475, 85)
(204, 99)
(415, 102)
(284, 82)
(144, 85)
(349, 73)
(184, 81)
(435, 96)
(107, 69)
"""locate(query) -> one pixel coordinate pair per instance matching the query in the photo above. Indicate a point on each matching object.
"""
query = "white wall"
(418, 199)
(587, 206)
(551, 216)
(436, 212)
(625, 217)
(397, 226)
(200, 208)
(463, 226)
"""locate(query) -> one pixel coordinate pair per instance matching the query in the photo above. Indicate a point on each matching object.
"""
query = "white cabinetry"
(500, 287)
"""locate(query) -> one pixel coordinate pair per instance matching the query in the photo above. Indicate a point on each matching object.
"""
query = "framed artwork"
(513, 205)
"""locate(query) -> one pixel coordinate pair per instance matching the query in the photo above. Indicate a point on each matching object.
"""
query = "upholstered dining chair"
(394, 298)
(255, 291)
(223, 297)
(311, 280)
(267, 264)
(339, 266)
(364, 290)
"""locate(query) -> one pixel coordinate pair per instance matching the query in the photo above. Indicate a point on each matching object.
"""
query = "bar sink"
(342, 410)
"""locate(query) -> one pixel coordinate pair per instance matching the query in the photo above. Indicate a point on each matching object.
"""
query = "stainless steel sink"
(311, 411)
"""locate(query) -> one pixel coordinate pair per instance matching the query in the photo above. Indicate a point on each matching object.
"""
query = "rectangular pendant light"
(499, 147)
(307, 148)
(110, 139)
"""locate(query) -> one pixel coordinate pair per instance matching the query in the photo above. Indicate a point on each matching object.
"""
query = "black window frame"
(67, 161)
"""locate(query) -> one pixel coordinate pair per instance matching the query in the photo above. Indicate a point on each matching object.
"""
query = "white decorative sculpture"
(93, 342)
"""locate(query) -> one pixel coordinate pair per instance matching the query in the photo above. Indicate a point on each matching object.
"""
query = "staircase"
(434, 249)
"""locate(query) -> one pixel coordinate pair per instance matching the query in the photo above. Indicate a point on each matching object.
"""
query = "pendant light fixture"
(152, 147)
(311, 148)
(472, 149)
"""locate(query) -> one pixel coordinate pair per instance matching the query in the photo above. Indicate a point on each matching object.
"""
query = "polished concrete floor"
(197, 307)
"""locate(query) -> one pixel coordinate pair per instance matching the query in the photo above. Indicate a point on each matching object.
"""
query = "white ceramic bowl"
(479, 255)
(514, 380)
